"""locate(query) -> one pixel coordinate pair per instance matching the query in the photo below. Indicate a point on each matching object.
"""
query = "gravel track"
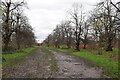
(36, 66)
(74, 67)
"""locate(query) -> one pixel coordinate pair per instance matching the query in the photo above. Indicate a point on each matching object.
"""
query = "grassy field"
(9, 57)
(108, 64)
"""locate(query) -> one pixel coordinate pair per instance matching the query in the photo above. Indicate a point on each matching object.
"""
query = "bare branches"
(100, 27)
(16, 25)
(116, 6)
(17, 5)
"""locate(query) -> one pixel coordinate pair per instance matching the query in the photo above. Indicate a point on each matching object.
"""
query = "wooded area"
(16, 30)
(98, 29)
(84, 45)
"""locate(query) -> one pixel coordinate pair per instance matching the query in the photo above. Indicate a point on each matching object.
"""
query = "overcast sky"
(44, 15)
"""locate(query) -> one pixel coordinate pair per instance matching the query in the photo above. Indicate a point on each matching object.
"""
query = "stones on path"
(74, 67)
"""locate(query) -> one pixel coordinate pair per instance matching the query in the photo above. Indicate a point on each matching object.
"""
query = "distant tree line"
(100, 27)
(16, 31)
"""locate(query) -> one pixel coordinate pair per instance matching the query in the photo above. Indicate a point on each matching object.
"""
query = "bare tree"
(85, 33)
(8, 22)
(104, 24)
(77, 20)
(57, 36)
(48, 40)
(68, 32)
(115, 5)
(25, 34)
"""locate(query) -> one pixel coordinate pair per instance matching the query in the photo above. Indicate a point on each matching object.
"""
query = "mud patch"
(34, 66)
(73, 67)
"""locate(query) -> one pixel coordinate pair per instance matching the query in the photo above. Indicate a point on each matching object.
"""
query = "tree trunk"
(109, 46)
(68, 45)
(18, 41)
(58, 46)
(5, 46)
(6, 37)
(47, 45)
(18, 45)
(77, 46)
(84, 46)
(6, 40)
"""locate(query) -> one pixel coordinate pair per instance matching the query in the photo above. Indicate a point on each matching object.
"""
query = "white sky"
(44, 15)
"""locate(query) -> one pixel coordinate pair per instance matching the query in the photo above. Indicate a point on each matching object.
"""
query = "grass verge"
(8, 57)
(110, 68)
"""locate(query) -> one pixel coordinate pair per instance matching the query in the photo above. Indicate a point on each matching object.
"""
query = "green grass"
(9, 57)
(66, 50)
(113, 55)
(109, 66)
(28, 49)
(62, 50)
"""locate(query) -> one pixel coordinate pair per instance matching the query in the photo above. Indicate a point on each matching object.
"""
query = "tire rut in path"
(35, 66)
(74, 67)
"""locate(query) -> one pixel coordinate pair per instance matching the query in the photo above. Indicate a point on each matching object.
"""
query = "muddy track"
(37, 66)
(33, 66)
(74, 67)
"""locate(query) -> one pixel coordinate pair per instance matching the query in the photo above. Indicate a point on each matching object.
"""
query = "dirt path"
(73, 67)
(37, 66)
(34, 66)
